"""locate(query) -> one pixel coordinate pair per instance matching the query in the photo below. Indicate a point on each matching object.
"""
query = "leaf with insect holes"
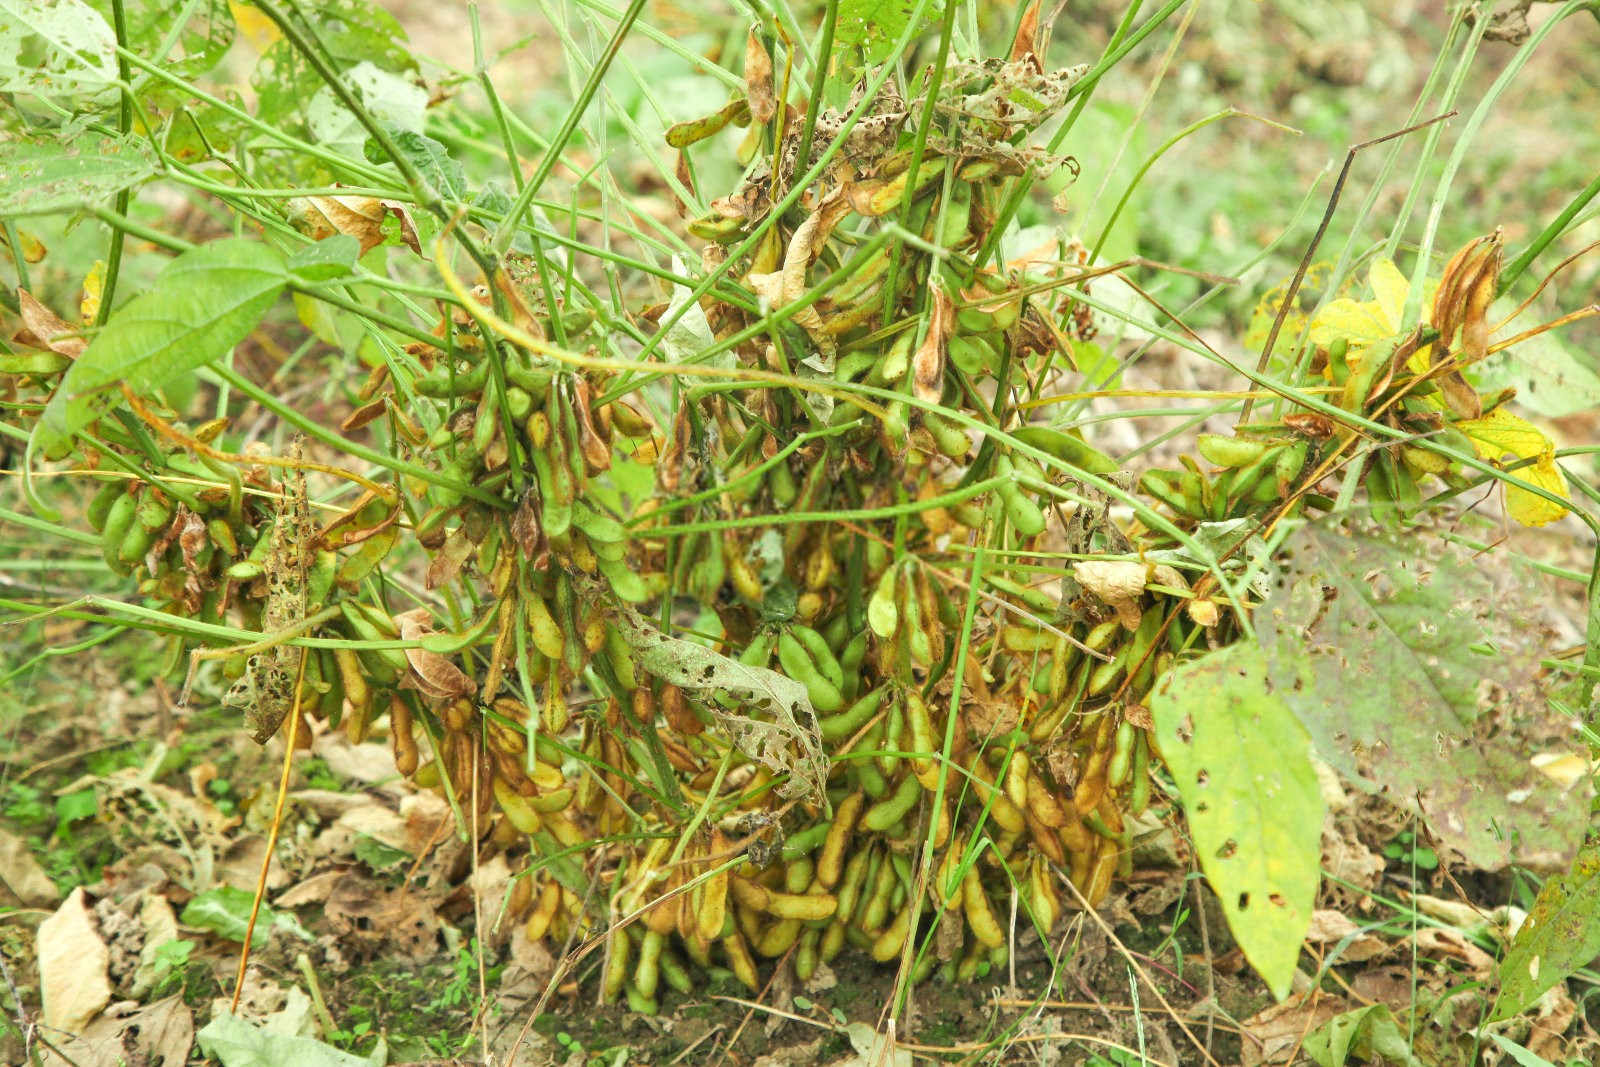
(41, 179)
(350, 31)
(57, 48)
(189, 38)
(875, 25)
(1561, 934)
(773, 721)
(1417, 672)
(1242, 764)
(200, 306)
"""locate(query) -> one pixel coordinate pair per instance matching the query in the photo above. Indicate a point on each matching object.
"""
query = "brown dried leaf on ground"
(23, 882)
(1438, 941)
(1329, 927)
(158, 1035)
(73, 964)
(1275, 1034)
(372, 919)
(240, 865)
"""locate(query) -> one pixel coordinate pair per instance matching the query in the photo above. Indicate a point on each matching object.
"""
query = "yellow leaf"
(1390, 287)
(1499, 435)
(89, 305)
(1363, 323)
(1266, 309)
(254, 27)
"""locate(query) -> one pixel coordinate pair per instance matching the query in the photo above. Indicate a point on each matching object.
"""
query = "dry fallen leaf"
(1330, 927)
(1275, 1034)
(158, 1035)
(21, 876)
(73, 960)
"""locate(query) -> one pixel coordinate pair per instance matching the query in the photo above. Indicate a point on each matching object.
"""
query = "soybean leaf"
(771, 720)
(1561, 934)
(875, 25)
(204, 302)
(352, 31)
(1243, 768)
(187, 49)
(225, 911)
(234, 1042)
(57, 48)
(430, 158)
(331, 257)
(1416, 672)
(1368, 1034)
(39, 179)
(1549, 377)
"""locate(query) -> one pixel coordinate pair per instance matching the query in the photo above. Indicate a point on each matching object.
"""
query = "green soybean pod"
(835, 728)
(890, 810)
(817, 649)
(647, 971)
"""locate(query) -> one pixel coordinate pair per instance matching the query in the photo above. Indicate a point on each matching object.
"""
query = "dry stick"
(1311, 249)
(272, 834)
(1548, 278)
(194, 444)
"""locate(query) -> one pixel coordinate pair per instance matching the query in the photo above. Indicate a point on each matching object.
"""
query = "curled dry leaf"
(594, 445)
(436, 675)
(1121, 582)
(927, 363)
(758, 80)
(360, 217)
(48, 328)
(788, 284)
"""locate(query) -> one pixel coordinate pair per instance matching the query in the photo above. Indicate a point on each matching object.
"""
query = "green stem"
(502, 236)
(819, 79)
(1558, 225)
(108, 289)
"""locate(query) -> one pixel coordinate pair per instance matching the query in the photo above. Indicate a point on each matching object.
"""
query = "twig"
(1311, 249)
(272, 835)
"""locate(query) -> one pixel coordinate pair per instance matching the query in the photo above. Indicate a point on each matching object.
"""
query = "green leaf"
(875, 25)
(55, 48)
(40, 179)
(1243, 768)
(201, 42)
(1401, 657)
(1369, 1034)
(70, 807)
(1521, 1055)
(773, 721)
(204, 302)
(1560, 934)
(430, 158)
(225, 911)
(331, 257)
(233, 1042)
(352, 31)
(377, 855)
